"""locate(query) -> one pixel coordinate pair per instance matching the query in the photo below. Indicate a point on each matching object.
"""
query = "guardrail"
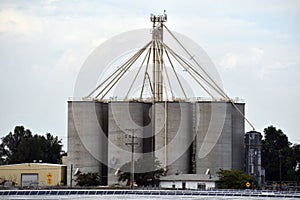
(249, 193)
(149, 99)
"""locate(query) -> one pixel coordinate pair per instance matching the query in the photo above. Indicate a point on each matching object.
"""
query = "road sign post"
(248, 184)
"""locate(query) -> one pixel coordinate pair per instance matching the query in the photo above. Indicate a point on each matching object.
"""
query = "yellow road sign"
(248, 184)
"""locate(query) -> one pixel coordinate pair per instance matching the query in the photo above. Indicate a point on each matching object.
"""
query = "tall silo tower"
(162, 100)
(253, 156)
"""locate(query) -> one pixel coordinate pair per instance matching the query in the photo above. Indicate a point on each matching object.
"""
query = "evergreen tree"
(22, 147)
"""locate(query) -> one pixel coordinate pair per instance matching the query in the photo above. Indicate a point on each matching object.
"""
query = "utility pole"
(71, 175)
(132, 155)
(280, 173)
(132, 160)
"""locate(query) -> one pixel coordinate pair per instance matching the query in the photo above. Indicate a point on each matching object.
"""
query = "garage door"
(29, 180)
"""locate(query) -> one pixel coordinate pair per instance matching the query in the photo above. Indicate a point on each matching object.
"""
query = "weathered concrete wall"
(124, 118)
(87, 142)
(217, 126)
(238, 130)
(177, 136)
(213, 137)
(219, 137)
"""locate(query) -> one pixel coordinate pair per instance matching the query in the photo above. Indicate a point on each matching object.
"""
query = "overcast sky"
(255, 46)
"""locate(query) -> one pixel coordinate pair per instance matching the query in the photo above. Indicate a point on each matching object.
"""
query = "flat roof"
(34, 164)
(189, 177)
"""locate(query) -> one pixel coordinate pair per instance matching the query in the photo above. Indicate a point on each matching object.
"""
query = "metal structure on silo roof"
(160, 67)
(160, 101)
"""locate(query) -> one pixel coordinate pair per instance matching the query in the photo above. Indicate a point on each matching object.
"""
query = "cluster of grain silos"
(187, 135)
(190, 137)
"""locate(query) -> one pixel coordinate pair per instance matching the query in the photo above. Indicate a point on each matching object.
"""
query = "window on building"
(201, 186)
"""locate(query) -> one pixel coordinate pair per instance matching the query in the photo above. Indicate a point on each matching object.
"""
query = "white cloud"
(266, 71)
(257, 54)
(16, 22)
(70, 60)
(253, 57)
(257, 61)
(229, 61)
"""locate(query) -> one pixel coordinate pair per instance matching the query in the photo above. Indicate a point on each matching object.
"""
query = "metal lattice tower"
(157, 41)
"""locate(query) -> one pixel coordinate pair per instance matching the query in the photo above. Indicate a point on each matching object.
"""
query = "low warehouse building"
(34, 174)
(189, 181)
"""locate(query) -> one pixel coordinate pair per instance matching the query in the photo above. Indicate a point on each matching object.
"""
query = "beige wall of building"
(46, 174)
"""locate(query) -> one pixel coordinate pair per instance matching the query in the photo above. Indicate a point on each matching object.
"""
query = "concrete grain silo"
(219, 138)
(87, 142)
(173, 141)
(150, 105)
(125, 120)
